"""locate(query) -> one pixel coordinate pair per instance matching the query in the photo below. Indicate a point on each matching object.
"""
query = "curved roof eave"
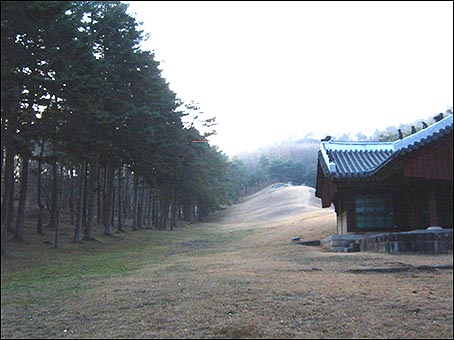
(396, 149)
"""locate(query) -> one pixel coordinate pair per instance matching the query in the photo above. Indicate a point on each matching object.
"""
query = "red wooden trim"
(329, 189)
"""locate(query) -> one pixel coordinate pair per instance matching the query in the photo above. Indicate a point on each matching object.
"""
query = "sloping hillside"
(281, 212)
(277, 202)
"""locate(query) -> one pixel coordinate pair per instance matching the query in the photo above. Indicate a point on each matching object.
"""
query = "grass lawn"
(235, 276)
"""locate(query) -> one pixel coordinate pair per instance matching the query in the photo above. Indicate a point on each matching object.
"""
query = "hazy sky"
(272, 70)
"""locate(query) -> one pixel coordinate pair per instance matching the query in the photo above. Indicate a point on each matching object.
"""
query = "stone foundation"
(434, 241)
(418, 241)
(342, 243)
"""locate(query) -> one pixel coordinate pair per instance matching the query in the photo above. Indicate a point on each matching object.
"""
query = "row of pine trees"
(90, 127)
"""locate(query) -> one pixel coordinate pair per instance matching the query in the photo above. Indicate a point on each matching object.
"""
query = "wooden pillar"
(433, 215)
(340, 215)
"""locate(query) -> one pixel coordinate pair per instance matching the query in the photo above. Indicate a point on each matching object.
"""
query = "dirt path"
(240, 276)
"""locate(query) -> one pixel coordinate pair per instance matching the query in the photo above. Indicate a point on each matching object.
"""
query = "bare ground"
(239, 275)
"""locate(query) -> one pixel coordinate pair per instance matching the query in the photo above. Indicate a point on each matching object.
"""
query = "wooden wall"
(434, 161)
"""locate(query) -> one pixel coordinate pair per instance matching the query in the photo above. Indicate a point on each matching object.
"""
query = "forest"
(91, 129)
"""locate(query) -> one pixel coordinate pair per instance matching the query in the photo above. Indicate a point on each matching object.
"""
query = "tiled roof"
(340, 160)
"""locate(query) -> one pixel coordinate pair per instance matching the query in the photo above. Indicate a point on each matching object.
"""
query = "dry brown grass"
(240, 276)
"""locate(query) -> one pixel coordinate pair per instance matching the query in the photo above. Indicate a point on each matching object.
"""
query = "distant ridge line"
(308, 140)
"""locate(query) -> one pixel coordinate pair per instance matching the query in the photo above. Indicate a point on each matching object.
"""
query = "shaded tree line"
(90, 127)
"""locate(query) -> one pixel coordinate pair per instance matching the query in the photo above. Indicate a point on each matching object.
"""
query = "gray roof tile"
(363, 159)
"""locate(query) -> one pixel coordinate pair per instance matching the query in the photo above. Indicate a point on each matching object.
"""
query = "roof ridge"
(421, 135)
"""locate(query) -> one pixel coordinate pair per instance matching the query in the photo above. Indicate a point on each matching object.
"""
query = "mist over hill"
(287, 161)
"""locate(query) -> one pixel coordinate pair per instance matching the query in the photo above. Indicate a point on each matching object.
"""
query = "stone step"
(341, 249)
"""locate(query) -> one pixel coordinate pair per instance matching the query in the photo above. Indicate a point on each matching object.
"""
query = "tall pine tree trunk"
(79, 202)
(112, 215)
(18, 232)
(107, 201)
(155, 213)
(100, 185)
(125, 189)
(119, 202)
(145, 206)
(8, 191)
(60, 191)
(126, 199)
(39, 198)
(91, 193)
(140, 204)
(193, 213)
(54, 204)
(173, 221)
(3, 230)
(135, 199)
(71, 198)
(186, 212)
(149, 208)
(164, 213)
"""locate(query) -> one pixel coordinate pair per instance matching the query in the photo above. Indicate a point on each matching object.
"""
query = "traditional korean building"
(389, 186)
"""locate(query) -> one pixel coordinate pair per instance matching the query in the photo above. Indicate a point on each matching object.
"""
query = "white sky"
(272, 70)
